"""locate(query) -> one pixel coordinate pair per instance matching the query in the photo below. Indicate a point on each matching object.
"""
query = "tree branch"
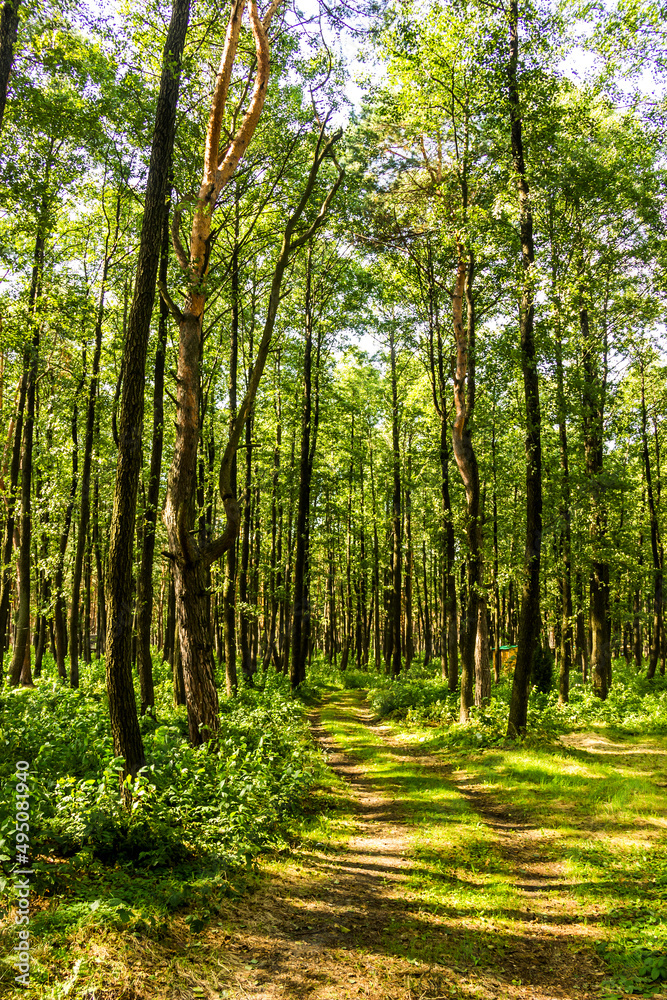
(169, 302)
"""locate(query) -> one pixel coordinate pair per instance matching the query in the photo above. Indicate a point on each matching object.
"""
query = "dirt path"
(353, 922)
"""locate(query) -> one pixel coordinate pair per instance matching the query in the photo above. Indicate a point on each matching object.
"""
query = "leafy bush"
(226, 801)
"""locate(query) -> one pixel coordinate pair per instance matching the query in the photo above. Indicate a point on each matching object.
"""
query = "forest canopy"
(331, 333)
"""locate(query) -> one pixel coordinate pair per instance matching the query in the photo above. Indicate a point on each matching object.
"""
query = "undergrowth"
(199, 815)
(420, 696)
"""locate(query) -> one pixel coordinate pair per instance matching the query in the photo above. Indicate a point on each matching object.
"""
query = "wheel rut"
(338, 923)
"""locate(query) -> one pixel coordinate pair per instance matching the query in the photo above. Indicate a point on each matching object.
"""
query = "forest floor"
(496, 875)
(427, 866)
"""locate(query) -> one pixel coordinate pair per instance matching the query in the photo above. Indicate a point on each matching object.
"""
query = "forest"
(333, 416)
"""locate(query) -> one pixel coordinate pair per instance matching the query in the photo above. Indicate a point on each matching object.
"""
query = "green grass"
(596, 808)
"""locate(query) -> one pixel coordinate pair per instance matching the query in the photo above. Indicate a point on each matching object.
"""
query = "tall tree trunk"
(84, 513)
(466, 460)
(566, 636)
(496, 592)
(60, 607)
(309, 422)
(428, 632)
(145, 576)
(271, 654)
(28, 379)
(19, 669)
(229, 592)
(191, 562)
(122, 704)
(593, 407)
(9, 22)
(99, 563)
(655, 649)
(395, 517)
(409, 566)
(377, 646)
(244, 571)
(529, 616)
(482, 666)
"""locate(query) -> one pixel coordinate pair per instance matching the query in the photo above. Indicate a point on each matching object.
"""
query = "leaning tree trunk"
(529, 616)
(122, 704)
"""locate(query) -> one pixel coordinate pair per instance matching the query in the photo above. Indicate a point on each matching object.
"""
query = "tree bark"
(122, 704)
(229, 592)
(84, 513)
(309, 423)
(395, 517)
(466, 460)
(409, 566)
(9, 22)
(529, 616)
(566, 637)
(145, 576)
(593, 411)
(655, 649)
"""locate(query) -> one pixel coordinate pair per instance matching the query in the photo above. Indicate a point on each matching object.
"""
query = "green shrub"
(225, 801)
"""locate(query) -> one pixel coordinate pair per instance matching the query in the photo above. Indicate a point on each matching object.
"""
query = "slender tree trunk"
(22, 450)
(190, 560)
(244, 572)
(309, 420)
(565, 535)
(18, 671)
(272, 654)
(409, 568)
(529, 617)
(395, 518)
(229, 593)
(122, 704)
(466, 460)
(84, 514)
(593, 406)
(10, 524)
(145, 576)
(377, 645)
(428, 632)
(655, 649)
(496, 592)
(99, 564)
(482, 665)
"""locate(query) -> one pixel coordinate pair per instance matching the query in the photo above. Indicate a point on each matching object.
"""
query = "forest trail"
(381, 917)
